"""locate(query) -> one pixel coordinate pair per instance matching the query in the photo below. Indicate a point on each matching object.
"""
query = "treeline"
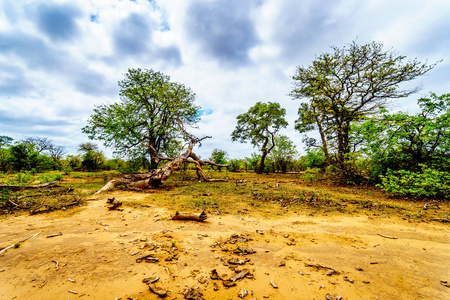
(342, 97)
(40, 154)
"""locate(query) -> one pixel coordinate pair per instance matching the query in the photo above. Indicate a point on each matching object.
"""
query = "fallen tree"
(156, 177)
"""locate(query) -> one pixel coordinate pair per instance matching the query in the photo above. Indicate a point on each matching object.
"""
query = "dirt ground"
(100, 255)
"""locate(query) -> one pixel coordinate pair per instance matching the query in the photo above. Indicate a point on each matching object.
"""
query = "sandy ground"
(97, 252)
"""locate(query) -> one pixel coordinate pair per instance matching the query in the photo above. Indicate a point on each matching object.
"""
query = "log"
(156, 177)
(190, 216)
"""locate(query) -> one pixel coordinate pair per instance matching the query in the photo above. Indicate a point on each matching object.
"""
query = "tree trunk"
(261, 166)
(156, 177)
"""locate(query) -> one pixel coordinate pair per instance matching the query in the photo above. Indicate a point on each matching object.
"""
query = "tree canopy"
(284, 153)
(148, 119)
(259, 126)
(400, 141)
(344, 86)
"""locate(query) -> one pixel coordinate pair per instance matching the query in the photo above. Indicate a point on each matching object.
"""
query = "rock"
(243, 293)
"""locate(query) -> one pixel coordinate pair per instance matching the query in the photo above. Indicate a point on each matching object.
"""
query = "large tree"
(343, 86)
(148, 119)
(259, 125)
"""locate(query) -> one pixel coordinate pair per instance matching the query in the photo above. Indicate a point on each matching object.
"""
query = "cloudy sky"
(58, 59)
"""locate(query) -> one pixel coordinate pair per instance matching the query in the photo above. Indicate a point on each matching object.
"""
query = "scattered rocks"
(348, 279)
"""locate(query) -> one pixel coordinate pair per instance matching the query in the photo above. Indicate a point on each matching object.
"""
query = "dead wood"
(317, 266)
(156, 177)
(53, 235)
(443, 220)
(18, 243)
(190, 216)
(158, 291)
(114, 204)
(20, 187)
(192, 294)
(387, 237)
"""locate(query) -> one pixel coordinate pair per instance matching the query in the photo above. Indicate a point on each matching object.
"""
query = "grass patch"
(272, 195)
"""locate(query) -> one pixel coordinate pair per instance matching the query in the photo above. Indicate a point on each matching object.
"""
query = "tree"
(5, 141)
(150, 116)
(219, 157)
(284, 153)
(40, 144)
(23, 157)
(344, 86)
(259, 125)
(85, 147)
(408, 142)
(92, 159)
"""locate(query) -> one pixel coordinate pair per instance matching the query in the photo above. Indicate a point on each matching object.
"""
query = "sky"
(59, 59)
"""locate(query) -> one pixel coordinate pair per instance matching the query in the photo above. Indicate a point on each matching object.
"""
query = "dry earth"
(96, 255)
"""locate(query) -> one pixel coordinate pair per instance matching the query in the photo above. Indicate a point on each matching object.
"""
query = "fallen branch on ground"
(57, 264)
(387, 237)
(444, 220)
(190, 216)
(53, 235)
(317, 266)
(19, 242)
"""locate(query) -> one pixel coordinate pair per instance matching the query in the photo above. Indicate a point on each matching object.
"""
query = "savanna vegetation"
(343, 99)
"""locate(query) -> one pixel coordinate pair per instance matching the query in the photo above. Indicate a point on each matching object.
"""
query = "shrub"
(429, 183)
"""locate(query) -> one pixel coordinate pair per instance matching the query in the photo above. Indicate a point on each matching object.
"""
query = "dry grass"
(272, 195)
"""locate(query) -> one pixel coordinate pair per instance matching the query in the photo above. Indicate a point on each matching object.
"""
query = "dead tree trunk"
(156, 177)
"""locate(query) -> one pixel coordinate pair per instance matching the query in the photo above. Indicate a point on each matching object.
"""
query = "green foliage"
(252, 162)
(93, 160)
(150, 117)
(74, 162)
(5, 159)
(23, 157)
(429, 183)
(283, 154)
(219, 156)
(314, 158)
(113, 164)
(237, 165)
(408, 142)
(259, 126)
(131, 166)
(5, 195)
(343, 87)
(311, 174)
(5, 141)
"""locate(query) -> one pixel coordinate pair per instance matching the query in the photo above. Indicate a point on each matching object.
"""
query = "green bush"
(429, 183)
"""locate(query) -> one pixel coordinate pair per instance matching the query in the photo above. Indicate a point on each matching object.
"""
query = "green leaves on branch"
(346, 85)
(401, 141)
(149, 118)
(259, 126)
(429, 183)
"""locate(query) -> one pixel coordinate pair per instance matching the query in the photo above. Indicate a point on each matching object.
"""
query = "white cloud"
(51, 80)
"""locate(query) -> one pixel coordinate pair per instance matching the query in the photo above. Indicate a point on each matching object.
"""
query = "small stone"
(273, 284)
(243, 293)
